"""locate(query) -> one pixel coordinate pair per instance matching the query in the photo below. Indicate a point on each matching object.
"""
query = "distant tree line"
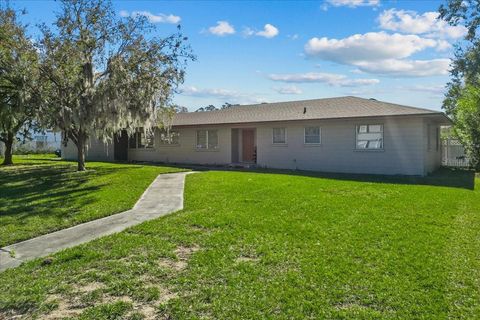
(211, 107)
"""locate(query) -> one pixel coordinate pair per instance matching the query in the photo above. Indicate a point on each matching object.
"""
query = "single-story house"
(345, 134)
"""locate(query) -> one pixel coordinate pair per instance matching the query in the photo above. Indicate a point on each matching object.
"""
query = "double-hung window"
(279, 136)
(142, 139)
(170, 138)
(312, 135)
(207, 139)
(369, 137)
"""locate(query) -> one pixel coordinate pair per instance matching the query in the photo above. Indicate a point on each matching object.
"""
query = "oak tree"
(103, 73)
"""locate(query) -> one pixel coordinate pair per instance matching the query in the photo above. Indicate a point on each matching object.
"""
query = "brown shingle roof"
(329, 108)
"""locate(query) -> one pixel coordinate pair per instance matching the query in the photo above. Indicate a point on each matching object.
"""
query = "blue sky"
(265, 51)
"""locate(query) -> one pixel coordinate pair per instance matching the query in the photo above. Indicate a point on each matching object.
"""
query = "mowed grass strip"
(285, 246)
(41, 194)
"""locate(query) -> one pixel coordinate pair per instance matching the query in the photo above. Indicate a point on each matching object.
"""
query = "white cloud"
(269, 31)
(247, 32)
(427, 24)
(222, 28)
(152, 18)
(434, 89)
(370, 46)
(208, 92)
(332, 79)
(381, 53)
(353, 3)
(232, 96)
(406, 68)
(293, 36)
(288, 90)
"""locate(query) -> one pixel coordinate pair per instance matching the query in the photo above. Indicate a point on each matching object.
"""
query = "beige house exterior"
(345, 135)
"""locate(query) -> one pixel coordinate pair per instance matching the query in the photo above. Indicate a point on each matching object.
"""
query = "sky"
(267, 51)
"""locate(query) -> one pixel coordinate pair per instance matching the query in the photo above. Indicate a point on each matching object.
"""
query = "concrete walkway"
(163, 196)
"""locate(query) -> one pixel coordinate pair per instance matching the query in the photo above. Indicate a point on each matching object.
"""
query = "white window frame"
(319, 136)
(273, 136)
(206, 141)
(368, 126)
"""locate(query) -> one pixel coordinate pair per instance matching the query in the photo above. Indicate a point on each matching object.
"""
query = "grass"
(41, 194)
(255, 245)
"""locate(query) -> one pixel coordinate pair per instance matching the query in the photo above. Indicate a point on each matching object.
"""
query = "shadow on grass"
(47, 188)
(48, 194)
(443, 177)
(43, 190)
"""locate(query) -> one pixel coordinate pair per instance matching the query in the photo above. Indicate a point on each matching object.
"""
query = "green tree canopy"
(103, 73)
(461, 98)
(467, 115)
(19, 102)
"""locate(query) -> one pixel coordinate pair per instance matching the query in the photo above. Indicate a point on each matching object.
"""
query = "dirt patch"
(113, 299)
(71, 308)
(199, 228)
(92, 286)
(11, 315)
(184, 253)
(149, 312)
(63, 310)
(176, 265)
(246, 259)
(349, 306)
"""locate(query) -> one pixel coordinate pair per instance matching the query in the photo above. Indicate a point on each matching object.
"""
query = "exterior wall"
(432, 152)
(402, 153)
(185, 151)
(405, 150)
(96, 151)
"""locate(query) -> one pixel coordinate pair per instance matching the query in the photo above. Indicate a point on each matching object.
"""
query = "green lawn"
(271, 245)
(41, 194)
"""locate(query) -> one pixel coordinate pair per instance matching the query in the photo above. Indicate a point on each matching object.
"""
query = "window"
(142, 140)
(312, 135)
(279, 135)
(207, 139)
(369, 137)
(169, 138)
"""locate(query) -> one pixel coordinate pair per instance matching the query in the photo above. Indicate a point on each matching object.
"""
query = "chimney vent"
(304, 110)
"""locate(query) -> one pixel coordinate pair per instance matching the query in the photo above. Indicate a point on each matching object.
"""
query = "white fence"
(453, 154)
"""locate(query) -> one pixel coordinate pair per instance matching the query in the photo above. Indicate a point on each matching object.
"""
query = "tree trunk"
(81, 141)
(8, 150)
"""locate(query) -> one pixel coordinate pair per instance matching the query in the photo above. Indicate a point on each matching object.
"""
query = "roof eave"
(446, 120)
